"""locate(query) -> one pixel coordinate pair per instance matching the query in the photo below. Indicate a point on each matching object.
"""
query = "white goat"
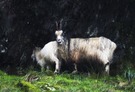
(98, 48)
(47, 55)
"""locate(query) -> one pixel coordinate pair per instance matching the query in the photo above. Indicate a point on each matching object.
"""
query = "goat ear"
(56, 33)
(61, 31)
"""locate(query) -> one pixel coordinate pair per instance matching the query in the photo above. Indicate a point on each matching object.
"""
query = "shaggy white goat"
(100, 49)
(47, 55)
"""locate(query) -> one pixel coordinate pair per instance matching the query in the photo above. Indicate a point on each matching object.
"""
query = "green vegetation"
(47, 82)
(8, 83)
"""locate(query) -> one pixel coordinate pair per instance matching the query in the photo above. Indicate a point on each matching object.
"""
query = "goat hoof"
(56, 72)
(74, 72)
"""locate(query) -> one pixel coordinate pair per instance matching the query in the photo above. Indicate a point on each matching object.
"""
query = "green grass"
(47, 82)
(8, 83)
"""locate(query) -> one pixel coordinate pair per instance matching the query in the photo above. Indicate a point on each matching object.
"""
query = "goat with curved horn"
(99, 49)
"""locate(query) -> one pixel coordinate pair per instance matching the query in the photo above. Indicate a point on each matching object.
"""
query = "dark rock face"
(25, 24)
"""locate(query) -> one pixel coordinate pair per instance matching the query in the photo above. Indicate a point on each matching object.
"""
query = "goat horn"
(61, 24)
(56, 25)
